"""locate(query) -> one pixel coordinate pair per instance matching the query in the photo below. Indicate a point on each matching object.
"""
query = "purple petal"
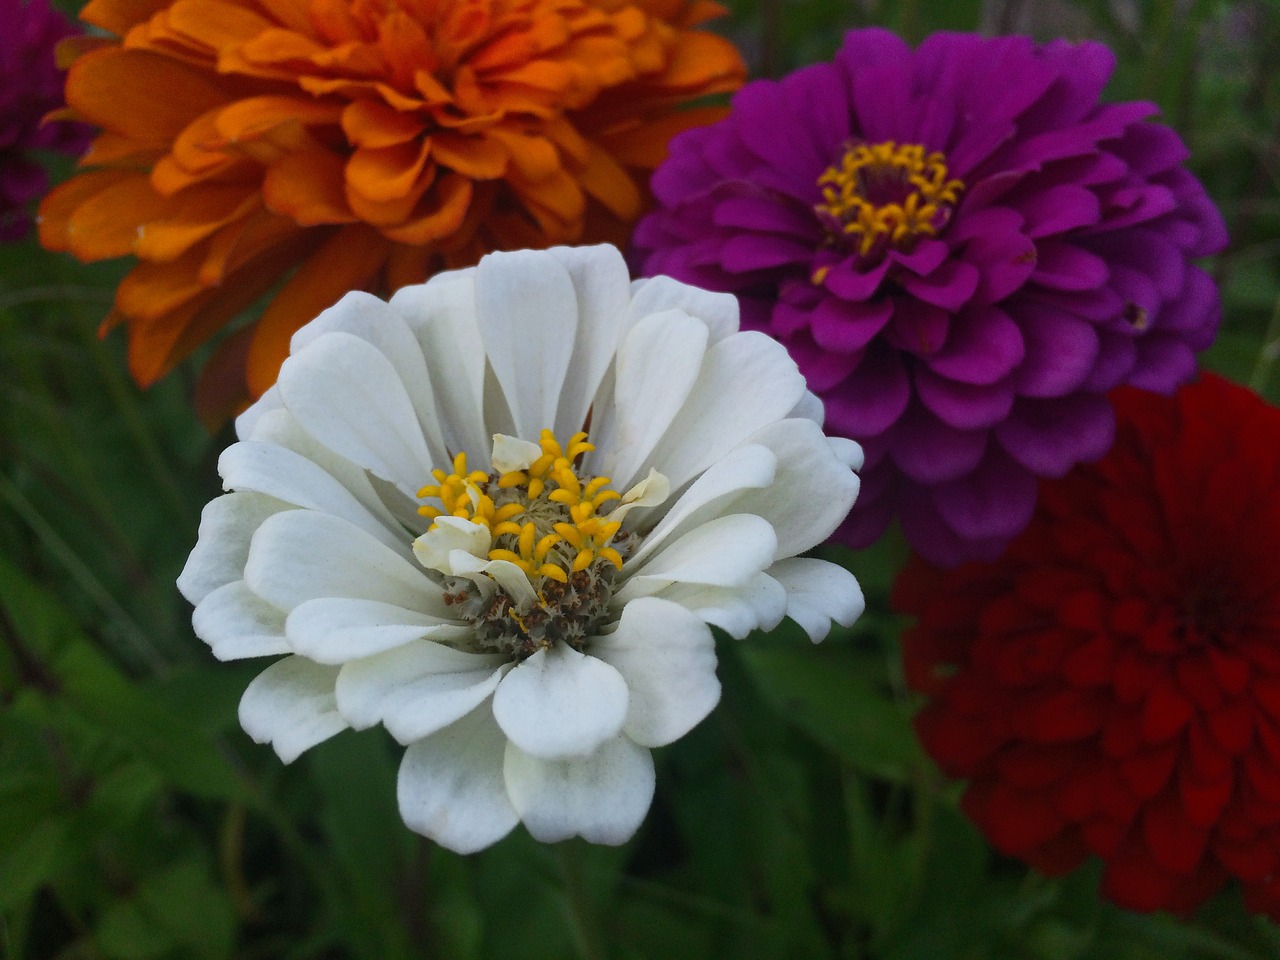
(931, 536)
(929, 451)
(1064, 266)
(823, 369)
(964, 406)
(995, 502)
(872, 398)
(765, 215)
(985, 345)
(1049, 437)
(773, 132)
(746, 252)
(1058, 209)
(850, 282)
(1116, 358)
(1061, 350)
(845, 327)
(1164, 362)
(948, 287)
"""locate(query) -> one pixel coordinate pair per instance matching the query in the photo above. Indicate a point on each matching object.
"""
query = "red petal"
(1165, 713)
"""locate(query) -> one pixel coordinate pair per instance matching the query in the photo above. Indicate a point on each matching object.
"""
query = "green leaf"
(838, 695)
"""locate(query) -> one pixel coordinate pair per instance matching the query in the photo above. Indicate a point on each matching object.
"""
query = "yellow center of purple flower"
(882, 195)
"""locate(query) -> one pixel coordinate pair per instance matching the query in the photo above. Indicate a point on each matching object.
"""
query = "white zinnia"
(528, 675)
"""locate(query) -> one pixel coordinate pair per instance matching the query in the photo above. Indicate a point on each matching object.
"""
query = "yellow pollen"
(886, 194)
(550, 547)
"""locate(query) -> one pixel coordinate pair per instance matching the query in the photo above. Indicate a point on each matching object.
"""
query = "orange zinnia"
(357, 144)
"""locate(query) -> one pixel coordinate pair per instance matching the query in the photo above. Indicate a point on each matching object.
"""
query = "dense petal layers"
(363, 144)
(963, 250)
(535, 620)
(30, 88)
(1109, 685)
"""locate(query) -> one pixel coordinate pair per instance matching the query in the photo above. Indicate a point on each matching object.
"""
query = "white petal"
(300, 555)
(750, 466)
(812, 492)
(602, 797)
(667, 656)
(291, 706)
(759, 604)
(817, 593)
(848, 452)
(379, 324)
(433, 548)
(346, 394)
(560, 703)
(657, 367)
(278, 427)
(291, 477)
(652, 491)
(725, 552)
(511, 453)
(451, 785)
(227, 524)
(603, 287)
(719, 311)
(810, 407)
(527, 311)
(747, 381)
(417, 689)
(236, 623)
(248, 420)
(338, 629)
(442, 315)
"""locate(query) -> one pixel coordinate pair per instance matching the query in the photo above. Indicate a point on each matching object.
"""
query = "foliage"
(802, 819)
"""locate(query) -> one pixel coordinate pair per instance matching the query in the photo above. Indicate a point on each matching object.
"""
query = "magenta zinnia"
(963, 249)
(1111, 684)
(30, 87)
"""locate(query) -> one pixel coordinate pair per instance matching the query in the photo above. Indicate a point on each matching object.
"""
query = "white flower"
(535, 618)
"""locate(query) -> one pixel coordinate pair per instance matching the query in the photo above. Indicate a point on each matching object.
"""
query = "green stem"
(1268, 354)
(81, 574)
(582, 917)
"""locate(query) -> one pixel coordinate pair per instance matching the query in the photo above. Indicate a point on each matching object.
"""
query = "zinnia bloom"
(964, 251)
(498, 514)
(1111, 685)
(366, 143)
(30, 87)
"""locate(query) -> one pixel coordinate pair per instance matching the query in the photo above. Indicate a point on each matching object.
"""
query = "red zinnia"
(1111, 684)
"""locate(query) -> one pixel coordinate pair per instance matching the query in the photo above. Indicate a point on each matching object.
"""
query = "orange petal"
(308, 188)
(383, 174)
(194, 215)
(138, 94)
(480, 158)
(369, 123)
(239, 242)
(215, 25)
(151, 290)
(349, 260)
(117, 16)
(108, 223)
(113, 149)
(222, 392)
(644, 144)
(453, 197)
(609, 183)
(64, 200)
(253, 117)
(393, 212)
(533, 157)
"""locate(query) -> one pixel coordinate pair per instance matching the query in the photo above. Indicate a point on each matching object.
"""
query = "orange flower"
(349, 144)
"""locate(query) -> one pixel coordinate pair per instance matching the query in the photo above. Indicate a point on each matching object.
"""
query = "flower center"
(544, 518)
(886, 195)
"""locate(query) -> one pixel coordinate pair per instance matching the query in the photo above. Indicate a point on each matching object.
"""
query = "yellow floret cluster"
(543, 518)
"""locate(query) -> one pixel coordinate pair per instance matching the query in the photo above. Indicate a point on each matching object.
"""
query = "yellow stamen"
(886, 192)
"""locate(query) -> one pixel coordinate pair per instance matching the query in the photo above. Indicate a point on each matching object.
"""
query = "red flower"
(1111, 684)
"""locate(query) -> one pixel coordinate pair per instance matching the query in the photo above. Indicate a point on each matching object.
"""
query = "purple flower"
(963, 249)
(30, 86)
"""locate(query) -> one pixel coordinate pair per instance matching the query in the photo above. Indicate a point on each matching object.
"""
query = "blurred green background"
(799, 820)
